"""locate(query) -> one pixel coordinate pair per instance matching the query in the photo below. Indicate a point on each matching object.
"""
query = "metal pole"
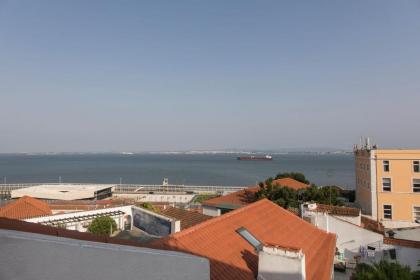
(5, 180)
(59, 179)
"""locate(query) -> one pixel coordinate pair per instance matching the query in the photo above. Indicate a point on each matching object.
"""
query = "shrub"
(102, 226)
(384, 270)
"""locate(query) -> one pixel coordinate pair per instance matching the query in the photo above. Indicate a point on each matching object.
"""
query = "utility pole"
(59, 179)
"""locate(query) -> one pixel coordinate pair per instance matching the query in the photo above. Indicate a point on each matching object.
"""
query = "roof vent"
(250, 238)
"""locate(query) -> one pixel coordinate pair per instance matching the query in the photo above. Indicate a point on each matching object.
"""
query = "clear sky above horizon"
(180, 75)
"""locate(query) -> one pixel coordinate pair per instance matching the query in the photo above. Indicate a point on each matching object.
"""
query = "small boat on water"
(266, 157)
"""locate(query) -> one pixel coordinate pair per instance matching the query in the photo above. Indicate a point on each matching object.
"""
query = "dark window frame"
(416, 166)
(386, 165)
(385, 188)
(387, 208)
(416, 185)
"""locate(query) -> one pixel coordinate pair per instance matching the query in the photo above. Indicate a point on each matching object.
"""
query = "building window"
(416, 213)
(386, 184)
(416, 166)
(387, 212)
(416, 185)
(386, 165)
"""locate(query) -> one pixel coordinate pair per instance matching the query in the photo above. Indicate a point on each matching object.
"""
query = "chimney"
(275, 263)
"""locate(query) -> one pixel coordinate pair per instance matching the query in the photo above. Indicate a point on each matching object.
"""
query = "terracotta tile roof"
(402, 242)
(233, 200)
(372, 225)
(244, 197)
(187, 218)
(337, 210)
(81, 205)
(232, 257)
(24, 208)
(290, 183)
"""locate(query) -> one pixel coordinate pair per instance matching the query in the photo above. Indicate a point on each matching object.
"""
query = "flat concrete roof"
(29, 256)
(408, 234)
(60, 191)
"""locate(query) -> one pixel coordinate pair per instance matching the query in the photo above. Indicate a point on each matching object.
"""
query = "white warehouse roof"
(61, 191)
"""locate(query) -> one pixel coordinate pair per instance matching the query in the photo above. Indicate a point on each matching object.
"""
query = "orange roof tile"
(337, 210)
(187, 218)
(402, 242)
(233, 200)
(247, 196)
(24, 208)
(290, 183)
(232, 257)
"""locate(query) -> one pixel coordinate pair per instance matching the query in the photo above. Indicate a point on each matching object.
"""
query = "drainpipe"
(376, 188)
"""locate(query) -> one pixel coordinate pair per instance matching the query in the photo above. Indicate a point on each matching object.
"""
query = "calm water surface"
(221, 169)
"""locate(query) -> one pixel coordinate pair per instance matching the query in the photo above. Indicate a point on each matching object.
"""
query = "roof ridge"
(34, 202)
(236, 212)
(217, 219)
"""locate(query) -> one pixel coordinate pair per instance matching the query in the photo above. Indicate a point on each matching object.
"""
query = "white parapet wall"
(148, 221)
(211, 211)
(168, 198)
(349, 236)
(280, 263)
(79, 221)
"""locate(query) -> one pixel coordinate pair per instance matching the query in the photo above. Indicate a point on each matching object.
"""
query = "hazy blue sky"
(174, 75)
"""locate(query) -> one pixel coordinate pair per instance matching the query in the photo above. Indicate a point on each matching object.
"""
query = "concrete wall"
(355, 220)
(364, 187)
(277, 263)
(169, 198)
(404, 255)
(152, 223)
(402, 198)
(82, 225)
(146, 220)
(408, 256)
(349, 236)
(28, 256)
(211, 211)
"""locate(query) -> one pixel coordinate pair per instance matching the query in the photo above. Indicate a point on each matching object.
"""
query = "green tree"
(384, 270)
(290, 198)
(294, 175)
(148, 206)
(102, 226)
(283, 196)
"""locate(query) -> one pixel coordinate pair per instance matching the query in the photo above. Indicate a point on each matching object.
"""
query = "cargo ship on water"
(266, 157)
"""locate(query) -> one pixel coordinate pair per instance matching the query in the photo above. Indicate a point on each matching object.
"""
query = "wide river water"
(218, 169)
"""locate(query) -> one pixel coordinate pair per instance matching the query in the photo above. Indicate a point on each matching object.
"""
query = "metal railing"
(135, 188)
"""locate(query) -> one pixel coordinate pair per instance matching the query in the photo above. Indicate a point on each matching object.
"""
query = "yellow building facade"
(388, 185)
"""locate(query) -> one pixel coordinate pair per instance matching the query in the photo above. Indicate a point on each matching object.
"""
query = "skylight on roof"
(250, 238)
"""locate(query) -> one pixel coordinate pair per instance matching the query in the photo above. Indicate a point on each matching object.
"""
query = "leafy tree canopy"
(288, 197)
(148, 206)
(102, 226)
(384, 270)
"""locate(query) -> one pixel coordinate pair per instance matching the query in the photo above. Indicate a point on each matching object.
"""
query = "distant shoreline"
(337, 152)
